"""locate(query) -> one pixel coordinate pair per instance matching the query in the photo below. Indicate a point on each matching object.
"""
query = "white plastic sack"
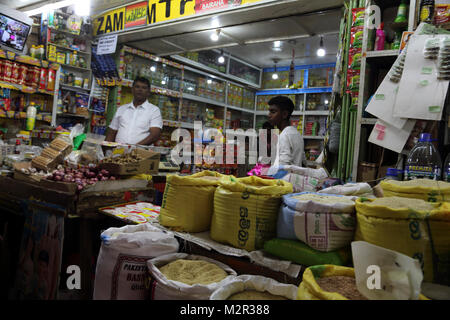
(121, 266)
(322, 226)
(256, 283)
(362, 189)
(304, 179)
(162, 288)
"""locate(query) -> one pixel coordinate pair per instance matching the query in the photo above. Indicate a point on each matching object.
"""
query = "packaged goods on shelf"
(324, 222)
(252, 287)
(239, 203)
(129, 245)
(414, 227)
(188, 201)
(212, 273)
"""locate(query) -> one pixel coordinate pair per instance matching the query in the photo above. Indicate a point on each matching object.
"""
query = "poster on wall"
(40, 254)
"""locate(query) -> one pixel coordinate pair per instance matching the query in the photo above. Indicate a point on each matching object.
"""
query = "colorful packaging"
(357, 34)
(15, 72)
(23, 71)
(51, 80)
(43, 79)
(358, 17)
(2, 68)
(442, 14)
(60, 57)
(7, 71)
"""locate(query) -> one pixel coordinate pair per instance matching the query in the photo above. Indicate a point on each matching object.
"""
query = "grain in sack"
(303, 179)
(181, 276)
(121, 271)
(414, 227)
(188, 201)
(425, 189)
(251, 287)
(246, 210)
(325, 222)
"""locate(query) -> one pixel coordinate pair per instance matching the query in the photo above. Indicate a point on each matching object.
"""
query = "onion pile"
(83, 177)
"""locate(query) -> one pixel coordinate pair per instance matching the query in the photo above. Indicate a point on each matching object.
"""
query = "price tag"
(427, 70)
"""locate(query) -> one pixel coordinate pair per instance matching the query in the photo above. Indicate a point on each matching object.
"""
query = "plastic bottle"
(380, 37)
(392, 174)
(423, 160)
(401, 13)
(397, 40)
(447, 169)
(31, 116)
(33, 51)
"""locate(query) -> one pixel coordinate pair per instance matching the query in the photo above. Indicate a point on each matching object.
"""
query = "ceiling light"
(83, 8)
(215, 35)
(277, 44)
(215, 22)
(163, 82)
(57, 5)
(156, 59)
(153, 69)
(209, 81)
(321, 51)
(221, 58)
(275, 74)
(326, 101)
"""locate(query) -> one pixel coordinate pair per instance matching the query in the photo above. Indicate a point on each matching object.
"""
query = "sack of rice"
(329, 282)
(245, 211)
(250, 287)
(181, 276)
(361, 189)
(425, 189)
(414, 227)
(325, 222)
(188, 201)
(121, 269)
(298, 252)
(302, 179)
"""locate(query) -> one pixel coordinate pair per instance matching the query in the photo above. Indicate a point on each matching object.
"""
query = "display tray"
(133, 212)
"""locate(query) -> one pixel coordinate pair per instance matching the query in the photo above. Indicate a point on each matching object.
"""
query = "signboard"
(157, 11)
(107, 44)
(136, 15)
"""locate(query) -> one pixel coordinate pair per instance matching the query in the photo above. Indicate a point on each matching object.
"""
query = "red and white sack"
(121, 272)
(162, 288)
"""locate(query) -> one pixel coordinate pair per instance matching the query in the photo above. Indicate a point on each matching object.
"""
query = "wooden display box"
(150, 164)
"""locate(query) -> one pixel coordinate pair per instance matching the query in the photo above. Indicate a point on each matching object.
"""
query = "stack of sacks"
(249, 287)
(246, 210)
(188, 201)
(302, 179)
(362, 189)
(414, 227)
(425, 189)
(314, 228)
(181, 276)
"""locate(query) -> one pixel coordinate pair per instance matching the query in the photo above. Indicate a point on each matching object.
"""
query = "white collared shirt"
(290, 149)
(133, 123)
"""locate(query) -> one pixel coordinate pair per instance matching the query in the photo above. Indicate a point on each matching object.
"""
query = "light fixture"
(215, 35)
(163, 82)
(82, 6)
(277, 46)
(215, 22)
(275, 74)
(221, 58)
(326, 101)
(152, 68)
(321, 51)
(209, 81)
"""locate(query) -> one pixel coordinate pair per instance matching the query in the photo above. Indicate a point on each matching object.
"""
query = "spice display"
(131, 157)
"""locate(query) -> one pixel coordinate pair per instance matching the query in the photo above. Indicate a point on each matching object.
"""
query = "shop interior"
(66, 193)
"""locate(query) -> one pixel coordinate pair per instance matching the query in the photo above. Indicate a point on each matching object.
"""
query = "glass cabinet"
(245, 72)
(203, 86)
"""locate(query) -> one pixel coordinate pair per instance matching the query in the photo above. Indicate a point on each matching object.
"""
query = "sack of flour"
(181, 276)
(121, 272)
(302, 179)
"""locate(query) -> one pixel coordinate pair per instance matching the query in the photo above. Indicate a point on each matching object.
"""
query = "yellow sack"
(246, 211)
(309, 289)
(425, 189)
(188, 201)
(418, 234)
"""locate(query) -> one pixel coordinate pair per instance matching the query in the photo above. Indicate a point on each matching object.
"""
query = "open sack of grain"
(250, 287)
(425, 189)
(121, 269)
(302, 179)
(188, 201)
(325, 222)
(245, 211)
(182, 276)
(361, 189)
(414, 227)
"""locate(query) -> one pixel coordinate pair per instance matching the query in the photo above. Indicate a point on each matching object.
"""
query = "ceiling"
(245, 33)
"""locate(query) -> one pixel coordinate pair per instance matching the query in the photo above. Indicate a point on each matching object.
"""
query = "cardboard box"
(20, 175)
(150, 164)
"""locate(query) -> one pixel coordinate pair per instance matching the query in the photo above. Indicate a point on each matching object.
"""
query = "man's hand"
(111, 135)
(154, 136)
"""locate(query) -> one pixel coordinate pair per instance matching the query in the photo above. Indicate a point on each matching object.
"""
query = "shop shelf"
(314, 137)
(382, 53)
(25, 59)
(73, 88)
(317, 113)
(75, 68)
(72, 115)
(294, 91)
(23, 115)
(240, 109)
(68, 49)
(201, 99)
(23, 88)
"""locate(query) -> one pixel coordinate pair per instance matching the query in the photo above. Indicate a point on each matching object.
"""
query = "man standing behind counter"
(138, 122)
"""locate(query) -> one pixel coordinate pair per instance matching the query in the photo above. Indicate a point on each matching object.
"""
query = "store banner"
(157, 11)
(136, 15)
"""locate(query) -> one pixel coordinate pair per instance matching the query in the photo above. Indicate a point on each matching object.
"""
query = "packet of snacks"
(442, 15)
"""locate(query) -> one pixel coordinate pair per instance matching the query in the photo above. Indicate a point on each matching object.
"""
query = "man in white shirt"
(139, 122)
(290, 146)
